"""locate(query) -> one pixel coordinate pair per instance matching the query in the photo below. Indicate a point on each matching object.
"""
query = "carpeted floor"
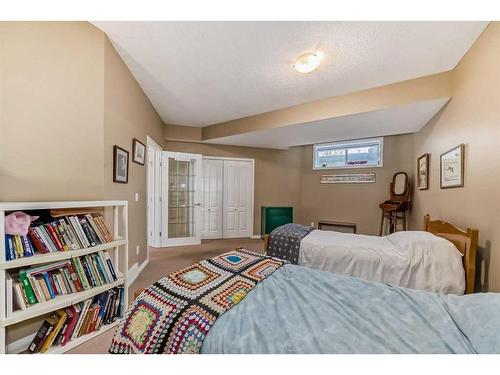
(163, 261)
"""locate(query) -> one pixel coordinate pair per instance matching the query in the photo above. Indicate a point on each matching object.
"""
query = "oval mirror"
(400, 183)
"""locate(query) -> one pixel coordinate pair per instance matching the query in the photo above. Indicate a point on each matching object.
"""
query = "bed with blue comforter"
(302, 310)
(294, 309)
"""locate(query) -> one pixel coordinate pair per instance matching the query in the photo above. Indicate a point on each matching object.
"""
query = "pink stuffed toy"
(17, 223)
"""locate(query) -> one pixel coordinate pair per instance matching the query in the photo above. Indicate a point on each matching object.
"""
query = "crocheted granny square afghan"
(175, 314)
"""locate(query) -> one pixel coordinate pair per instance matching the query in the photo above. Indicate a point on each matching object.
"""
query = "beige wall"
(65, 99)
(356, 203)
(51, 116)
(128, 114)
(286, 178)
(471, 117)
(51, 106)
(182, 133)
(277, 172)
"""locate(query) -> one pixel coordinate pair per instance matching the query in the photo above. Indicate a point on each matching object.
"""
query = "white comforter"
(417, 260)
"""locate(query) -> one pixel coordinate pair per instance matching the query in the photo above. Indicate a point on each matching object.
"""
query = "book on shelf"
(17, 247)
(40, 337)
(9, 290)
(57, 320)
(28, 288)
(62, 212)
(20, 300)
(75, 314)
(63, 233)
(43, 283)
(59, 337)
(78, 320)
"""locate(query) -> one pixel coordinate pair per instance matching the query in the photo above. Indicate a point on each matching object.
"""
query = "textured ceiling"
(398, 120)
(200, 73)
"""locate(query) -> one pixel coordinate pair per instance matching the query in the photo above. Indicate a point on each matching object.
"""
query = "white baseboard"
(143, 265)
(255, 236)
(135, 270)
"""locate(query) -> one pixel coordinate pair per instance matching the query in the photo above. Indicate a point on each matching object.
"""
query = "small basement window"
(361, 153)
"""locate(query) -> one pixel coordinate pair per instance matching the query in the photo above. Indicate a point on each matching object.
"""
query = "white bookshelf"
(118, 247)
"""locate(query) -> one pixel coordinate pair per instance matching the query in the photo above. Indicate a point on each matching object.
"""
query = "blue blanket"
(284, 241)
(302, 310)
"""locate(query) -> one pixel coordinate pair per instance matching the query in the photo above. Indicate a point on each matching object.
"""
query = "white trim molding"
(151, 142)
(153, 192)
(228, 158)
(135, 270)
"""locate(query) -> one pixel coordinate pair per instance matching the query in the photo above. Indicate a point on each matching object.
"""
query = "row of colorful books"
(62, 234)
(46, 282)
(85, 317)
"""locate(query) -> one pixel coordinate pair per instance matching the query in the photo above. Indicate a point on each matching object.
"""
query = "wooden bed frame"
(464, 240)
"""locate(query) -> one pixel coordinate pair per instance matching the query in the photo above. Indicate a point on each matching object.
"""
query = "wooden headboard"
(465, 242)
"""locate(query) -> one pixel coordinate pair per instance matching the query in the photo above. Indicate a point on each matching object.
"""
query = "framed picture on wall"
(423, 172)
(120, 165)
(139, 152)
(452, 167)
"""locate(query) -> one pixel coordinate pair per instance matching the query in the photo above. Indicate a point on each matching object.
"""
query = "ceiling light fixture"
(308, 62)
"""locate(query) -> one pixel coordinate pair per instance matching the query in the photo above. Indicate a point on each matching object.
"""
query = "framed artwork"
(348, 178)
(120, 165)
(423, 172)
(139, 152)
(452, 167)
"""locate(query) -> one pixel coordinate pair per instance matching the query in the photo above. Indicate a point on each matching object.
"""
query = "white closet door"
(212, 198)
(244, 199)
(237, 199)
(230, 199)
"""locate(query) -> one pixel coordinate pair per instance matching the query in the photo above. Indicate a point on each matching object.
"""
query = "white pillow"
(438, 260)
(411, 240)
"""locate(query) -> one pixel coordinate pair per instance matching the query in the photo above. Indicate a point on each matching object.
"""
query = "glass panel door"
(182, 195)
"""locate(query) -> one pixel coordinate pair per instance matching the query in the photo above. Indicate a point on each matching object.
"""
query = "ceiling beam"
(182, 133)
(397, 94)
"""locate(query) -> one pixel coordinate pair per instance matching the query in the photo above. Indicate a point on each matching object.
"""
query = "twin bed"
(242, 302)
(440, 259)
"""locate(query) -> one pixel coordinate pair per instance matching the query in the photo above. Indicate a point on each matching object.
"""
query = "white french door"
(211, 207)
(181, 197)
(237, 199)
